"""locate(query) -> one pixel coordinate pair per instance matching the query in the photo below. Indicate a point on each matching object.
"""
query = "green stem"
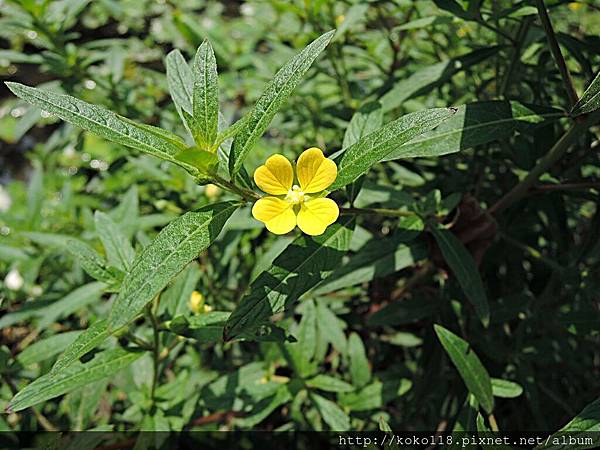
(556, 52)
(554, 155)
(246, 194)
(155, 347)
(380, 211)
(493, 423)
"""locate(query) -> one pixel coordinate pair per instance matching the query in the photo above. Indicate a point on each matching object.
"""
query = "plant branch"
(556, 52)
(554, 155)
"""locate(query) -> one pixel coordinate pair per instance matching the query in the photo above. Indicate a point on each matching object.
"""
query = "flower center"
(295, 196)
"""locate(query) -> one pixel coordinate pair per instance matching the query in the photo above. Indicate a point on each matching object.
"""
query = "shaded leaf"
(469, 366)
(299, 267)
(464, 268)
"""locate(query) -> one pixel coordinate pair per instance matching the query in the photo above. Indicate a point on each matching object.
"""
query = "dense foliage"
(457, 290)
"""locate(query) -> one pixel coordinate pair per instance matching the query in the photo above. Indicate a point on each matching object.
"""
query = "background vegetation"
(495, 243)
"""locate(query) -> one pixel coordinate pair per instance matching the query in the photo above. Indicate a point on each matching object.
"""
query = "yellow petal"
(276, 176)
(316, 215)
(277, 215)
(315, 172)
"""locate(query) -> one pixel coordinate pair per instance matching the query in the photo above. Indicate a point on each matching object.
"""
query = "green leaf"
(303, 350)
(88, 340)
(202, 160)
(455, 8)
(299, 267)
(505, 388)
(93, 263)
(376, 394)
(98, 120)
(469, 366)
(422, 81)
(278, 91)
(404, 312)
(359, 364)
(174, 247)
(476, 124)
(331, 328)
(205, 96)
(464, 268)
(375, 147)
(53, 384)
(80, 297)
(376, 259)
(180, 81)
(331, 413)
(355, 14)
(264, 408)
(586, 424)
(46, 348)
(119, 251)
(176, 297)
(206, 327)
(590, 100)
(329, 384)
(366, 120)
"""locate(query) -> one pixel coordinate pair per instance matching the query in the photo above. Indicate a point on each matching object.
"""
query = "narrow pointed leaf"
(85, 342)
(475, 124)
(174, 247)
(585, 426)
(98, 120)
(298, 268)
(278, 90)
(590, 100)
(119, 251)
(465, 269)
(53, 384)
(469, 367)
(46, 348)
(92, 262)
(375, 147)
(331, 413)
(205, 96)
(180, 81)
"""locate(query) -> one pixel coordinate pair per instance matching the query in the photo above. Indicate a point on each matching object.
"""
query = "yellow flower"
(290, 204)
(574, 6)
(197, 304)
(212, 191)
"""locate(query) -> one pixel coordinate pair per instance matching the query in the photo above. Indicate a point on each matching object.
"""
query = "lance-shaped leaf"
(278, 90)
(119, 251)
(375, 147)
(469, 367)
(46, 348)
(331, 413)
(298, 268)
(53, 384)
(174, 247)
(585, 426)
(85, 342)
(475, 124)
(590, 100)
(205, 96)
(180, 81)
(93, 263)
(99, 121)
(424, 80)
(464, 267)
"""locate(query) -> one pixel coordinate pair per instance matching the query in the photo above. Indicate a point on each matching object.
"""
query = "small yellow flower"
(197, 305)
(289, 204)
(574, 6)
(212, 191)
